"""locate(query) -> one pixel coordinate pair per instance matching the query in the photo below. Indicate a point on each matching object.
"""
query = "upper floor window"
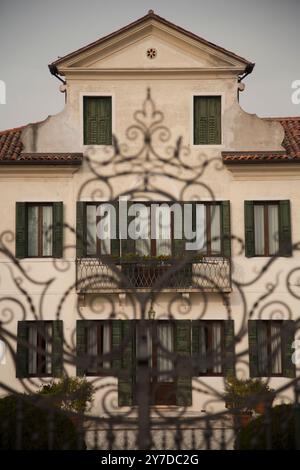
(207, 120)
(209, 223)
(267, 228)
(97, 117)
(39, 229)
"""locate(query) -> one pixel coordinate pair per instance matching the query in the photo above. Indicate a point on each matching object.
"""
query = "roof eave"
(53, 66)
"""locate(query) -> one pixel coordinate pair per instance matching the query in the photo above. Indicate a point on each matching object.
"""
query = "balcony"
(208, 274)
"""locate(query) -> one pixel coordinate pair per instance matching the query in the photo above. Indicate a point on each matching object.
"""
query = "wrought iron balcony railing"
(209, 274)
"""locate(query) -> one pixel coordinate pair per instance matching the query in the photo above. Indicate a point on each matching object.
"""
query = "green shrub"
(20, 413)
(72, 394)
(244, 394)
(254, 435)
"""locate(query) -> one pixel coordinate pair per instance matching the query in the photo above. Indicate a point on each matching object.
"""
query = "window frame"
(210, 373)
(265, 205)
(192, 120)
(268, 324)
(208, 219)
(38, 347)
(81, 111)
(98, 241)
(99, 323)
(40, 206)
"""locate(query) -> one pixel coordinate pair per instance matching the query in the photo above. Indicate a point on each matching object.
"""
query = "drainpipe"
(248, 70)
(62, 88)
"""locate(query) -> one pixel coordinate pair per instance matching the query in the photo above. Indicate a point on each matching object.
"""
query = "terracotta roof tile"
(11, 152)
(11, 149)
(291, 143)
(10, 143)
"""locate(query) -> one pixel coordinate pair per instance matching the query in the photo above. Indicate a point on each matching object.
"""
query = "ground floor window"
(177, 351)
(94, 343)
(39, 348)
(208, 346)
(270, 348)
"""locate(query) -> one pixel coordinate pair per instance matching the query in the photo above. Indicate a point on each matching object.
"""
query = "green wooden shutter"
(179, 243)
(253, 348)
(125, 384)
(229, 340)
(288, 337)
(22, 350)
(128, 244)
(183, 350)
(225, 228)
(21, 230)
(115, 244)
(57, 229)
(195, 346)
(207, 120)
(116, 344)
(57, 348)
(249, 229)
(97, 120)
(285, 235)
(80, 229)
(122, 346)
(81, 340)
(214, 120)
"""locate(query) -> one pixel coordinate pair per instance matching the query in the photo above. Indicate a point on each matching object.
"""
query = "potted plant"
(247, 396)
(71, 394)
(262, 395)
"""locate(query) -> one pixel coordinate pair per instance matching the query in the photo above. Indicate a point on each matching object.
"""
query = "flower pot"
(241, 419)
(261, 406)
(244, 419)
(76, 420)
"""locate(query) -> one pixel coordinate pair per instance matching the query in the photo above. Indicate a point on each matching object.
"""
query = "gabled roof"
(151, 15)
(291, 143)
(11, 152)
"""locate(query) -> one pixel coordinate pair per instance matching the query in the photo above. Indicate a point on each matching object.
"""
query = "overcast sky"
(34, 32)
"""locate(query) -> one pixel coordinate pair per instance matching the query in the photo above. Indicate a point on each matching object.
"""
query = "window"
(39, 229)
(207, 120)
(211, 222)
(267, 228)
(270, 348)
(39, 235)
(97, 246)
(209, 225)
(97, 118)
(39, 348)
(208, 347)
(96, 337)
